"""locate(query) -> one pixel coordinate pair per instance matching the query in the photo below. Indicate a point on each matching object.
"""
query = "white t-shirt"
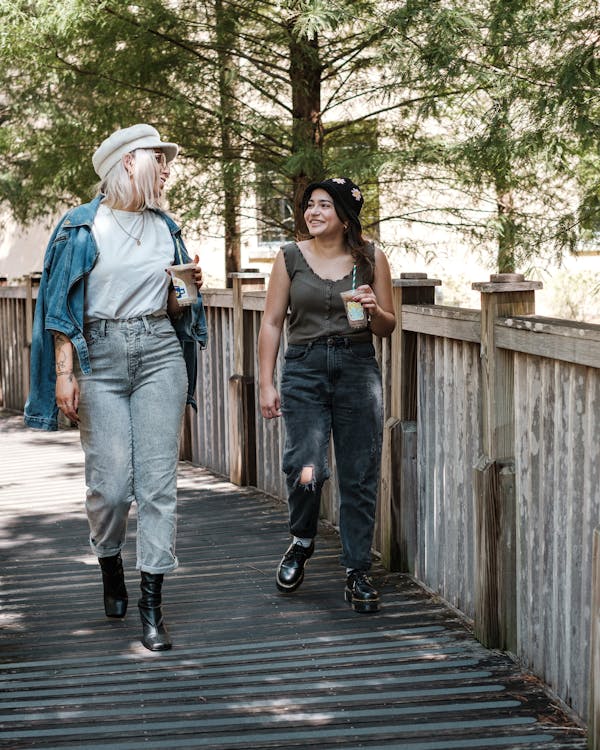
(129, 278)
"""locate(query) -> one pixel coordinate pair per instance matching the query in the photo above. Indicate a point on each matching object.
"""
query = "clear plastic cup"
(185, 287)
(355, 312)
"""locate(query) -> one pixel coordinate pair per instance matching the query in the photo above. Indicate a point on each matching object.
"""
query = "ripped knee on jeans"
(307, 477)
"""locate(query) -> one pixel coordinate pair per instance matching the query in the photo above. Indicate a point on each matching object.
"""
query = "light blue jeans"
(131, 407)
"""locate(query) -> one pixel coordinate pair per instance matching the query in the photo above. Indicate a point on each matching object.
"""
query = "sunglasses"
(161, 158)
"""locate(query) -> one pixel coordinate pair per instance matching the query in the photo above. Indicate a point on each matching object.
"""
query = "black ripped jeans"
(333, 386)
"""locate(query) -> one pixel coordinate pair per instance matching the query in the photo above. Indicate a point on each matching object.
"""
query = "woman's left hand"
(366, 296)
(198, 273)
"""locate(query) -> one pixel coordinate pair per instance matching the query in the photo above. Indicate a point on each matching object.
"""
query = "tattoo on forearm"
(63, 366)
(63, 355)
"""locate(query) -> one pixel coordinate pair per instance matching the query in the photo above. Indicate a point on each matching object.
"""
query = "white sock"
(304, 542)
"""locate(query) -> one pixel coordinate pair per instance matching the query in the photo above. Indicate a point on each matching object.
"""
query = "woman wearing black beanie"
(331, 383)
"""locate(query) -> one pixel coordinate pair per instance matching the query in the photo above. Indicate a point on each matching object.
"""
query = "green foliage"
(508, 135)
(479, 116)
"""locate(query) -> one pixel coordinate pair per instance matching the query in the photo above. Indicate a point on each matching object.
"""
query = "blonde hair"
(138, 191)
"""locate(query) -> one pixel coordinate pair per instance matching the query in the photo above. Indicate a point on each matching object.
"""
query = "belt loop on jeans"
(103, 327)
(337, 341)
(146, 324)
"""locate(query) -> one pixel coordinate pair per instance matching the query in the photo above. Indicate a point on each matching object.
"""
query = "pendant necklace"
(138, 240)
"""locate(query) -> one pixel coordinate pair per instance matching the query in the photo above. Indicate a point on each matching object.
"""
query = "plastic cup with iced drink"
(355, 312)
(185, 287)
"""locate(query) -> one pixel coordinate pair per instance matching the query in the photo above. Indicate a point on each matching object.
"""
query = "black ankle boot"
(113, 579)
(155, 636)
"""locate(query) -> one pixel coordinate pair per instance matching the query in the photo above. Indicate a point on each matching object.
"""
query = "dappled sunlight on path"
(250, 668)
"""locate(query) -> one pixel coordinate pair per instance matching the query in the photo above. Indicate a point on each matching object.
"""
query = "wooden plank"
(407, 508)
(507, 559)
(411, 289)
(17, 292)
(389, 492)
(449, 322)
(242, 284)
(238, 327)
(485, 489)
(185, 439)
(513, 287)
(553, 326)
(14, 359)
(397, 364)
(580, 346)
(4, 369)
(449, 444)
(498, 300)
(427, 432)
(594, 705)
(250, 343)
(558, 480)
(242, 435)
(217, 298)
(254, 300)
(26, 334)
(250, 667)
(236, 430)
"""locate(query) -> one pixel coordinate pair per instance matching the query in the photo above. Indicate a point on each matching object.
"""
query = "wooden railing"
(16, 319)
(490, 489)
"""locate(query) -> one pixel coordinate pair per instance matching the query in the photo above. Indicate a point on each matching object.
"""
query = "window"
(275, 209)
(589, 243)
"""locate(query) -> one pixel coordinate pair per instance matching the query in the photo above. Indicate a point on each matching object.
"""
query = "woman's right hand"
(270, 402)
(67, 395)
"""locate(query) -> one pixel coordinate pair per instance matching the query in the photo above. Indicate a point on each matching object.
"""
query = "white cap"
(110, 151)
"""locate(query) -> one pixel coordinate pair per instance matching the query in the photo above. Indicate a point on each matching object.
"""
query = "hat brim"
(170, 150)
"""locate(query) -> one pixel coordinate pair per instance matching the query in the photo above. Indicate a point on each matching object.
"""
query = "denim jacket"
(70, 256)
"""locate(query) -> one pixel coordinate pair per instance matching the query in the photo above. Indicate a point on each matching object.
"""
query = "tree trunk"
(506, 232)
(307, 128)
(230, 164)
(502, 174)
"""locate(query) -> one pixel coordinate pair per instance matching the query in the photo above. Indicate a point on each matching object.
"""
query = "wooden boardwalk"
(250, 668)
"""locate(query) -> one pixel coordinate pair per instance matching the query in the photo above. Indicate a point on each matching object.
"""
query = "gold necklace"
(138, 240)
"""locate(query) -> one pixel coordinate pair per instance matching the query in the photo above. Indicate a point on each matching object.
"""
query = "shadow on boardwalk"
(250, 668)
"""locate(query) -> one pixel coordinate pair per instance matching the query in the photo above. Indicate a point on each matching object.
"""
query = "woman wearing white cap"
(116, 354)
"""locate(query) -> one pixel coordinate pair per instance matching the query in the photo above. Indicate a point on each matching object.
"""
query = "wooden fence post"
(398, 506)
(26, 354)
(242, 427)
(493, 476)
(594, 690)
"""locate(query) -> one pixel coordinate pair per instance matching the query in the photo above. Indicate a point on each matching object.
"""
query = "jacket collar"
(84, 214)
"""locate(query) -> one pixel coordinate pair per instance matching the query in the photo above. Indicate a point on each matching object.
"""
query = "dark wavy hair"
(355, 241)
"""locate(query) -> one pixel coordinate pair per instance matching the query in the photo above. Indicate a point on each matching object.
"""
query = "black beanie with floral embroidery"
(345, 193)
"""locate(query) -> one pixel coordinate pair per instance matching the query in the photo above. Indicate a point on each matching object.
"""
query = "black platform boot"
(155, 636)
(360, 593)
(290, 572)
(113, 579)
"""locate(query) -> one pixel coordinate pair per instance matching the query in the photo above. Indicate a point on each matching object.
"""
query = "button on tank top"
(316, 308)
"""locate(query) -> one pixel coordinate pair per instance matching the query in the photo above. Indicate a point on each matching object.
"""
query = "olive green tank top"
(316, 308)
